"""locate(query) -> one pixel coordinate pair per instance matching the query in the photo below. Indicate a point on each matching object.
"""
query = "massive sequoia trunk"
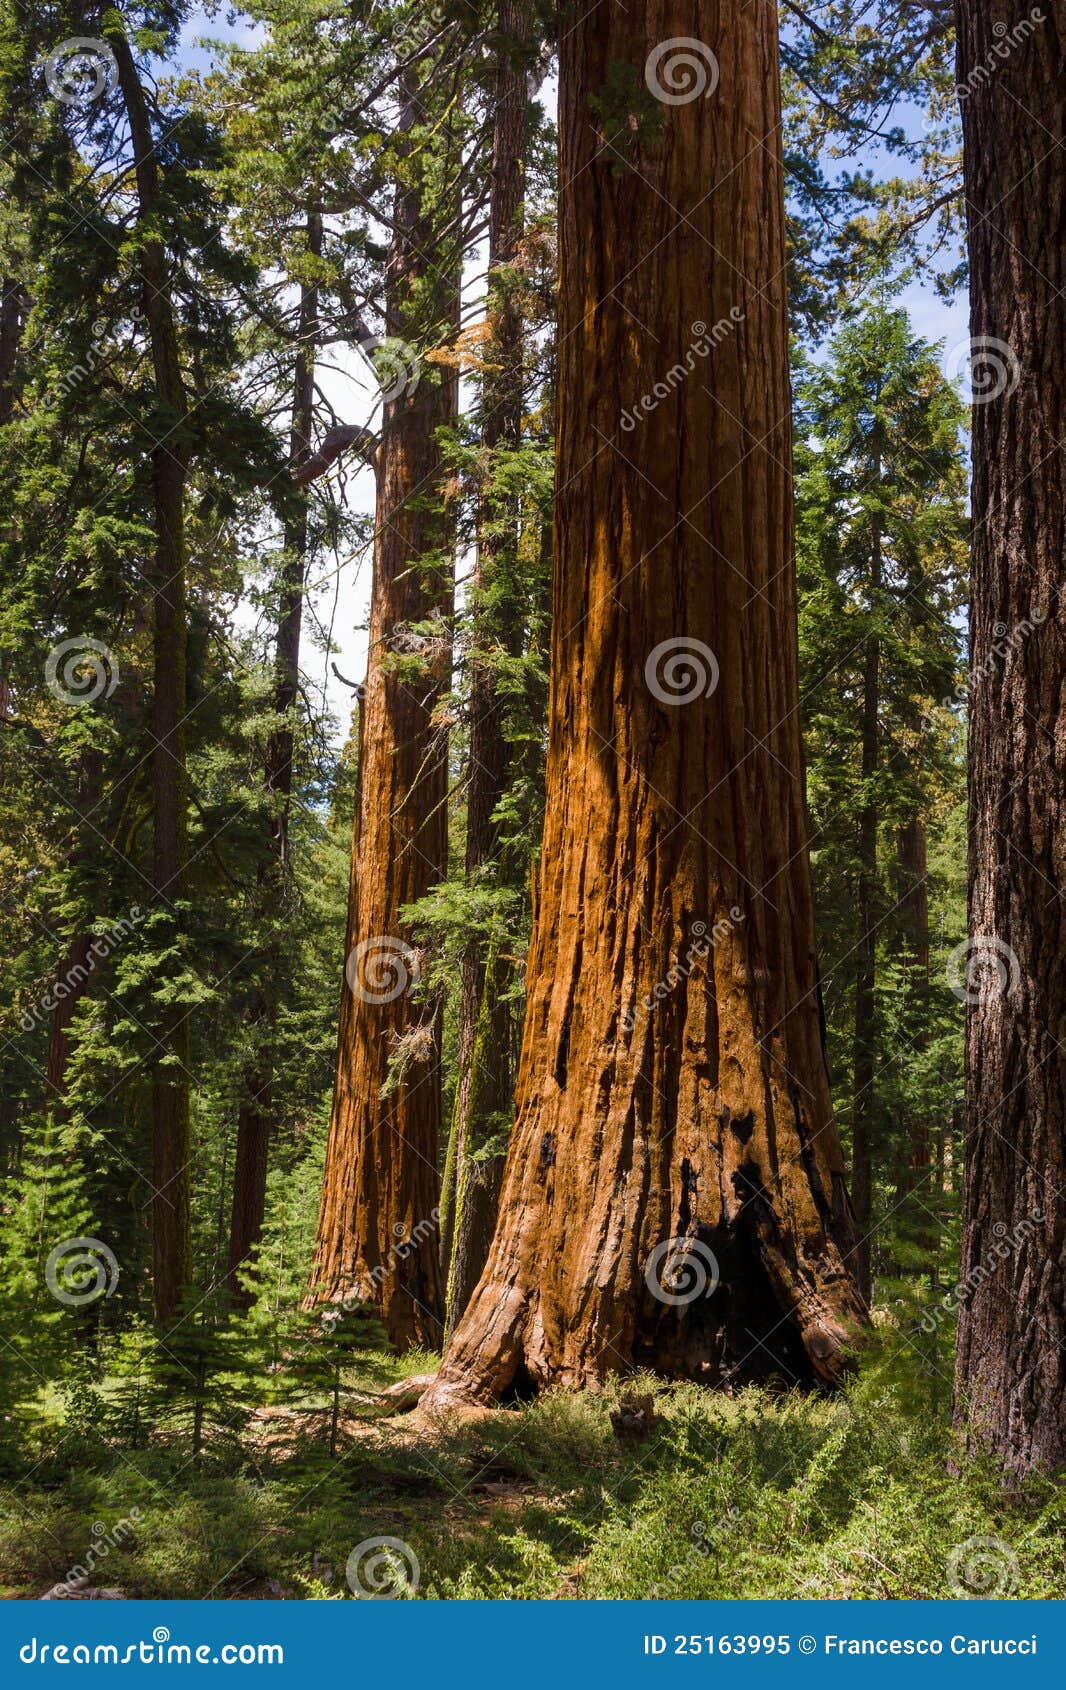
(486, 1039)
(377, 1240)
(1011, 1377)
(170, 1085)
(254, 1118)
(674, 1194)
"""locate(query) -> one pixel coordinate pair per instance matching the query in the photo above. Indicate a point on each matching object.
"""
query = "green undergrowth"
(760, 1494)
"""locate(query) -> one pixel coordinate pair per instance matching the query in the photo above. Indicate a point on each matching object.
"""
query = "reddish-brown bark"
(376, 1238)
(670, 1089)
(1011, 1374)
(487, 1038)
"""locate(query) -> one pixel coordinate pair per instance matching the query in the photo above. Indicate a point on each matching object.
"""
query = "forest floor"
(753, 1495)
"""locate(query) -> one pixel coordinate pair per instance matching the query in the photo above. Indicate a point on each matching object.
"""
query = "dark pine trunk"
(73, 976)
(19, 38)
(864, 1055)
(75, 967)
(12, 313)
(915, 1154)
(254, 1119)
(169, 462)
(673, 1114)
(1011, 1373)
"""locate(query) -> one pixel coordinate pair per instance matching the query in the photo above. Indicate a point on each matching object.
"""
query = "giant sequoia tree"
(381, 1182)
(674, 1193)
(485, 1076)
(1011, 1382)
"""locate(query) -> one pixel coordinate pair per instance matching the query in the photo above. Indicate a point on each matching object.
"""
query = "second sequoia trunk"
(377, 1238)
(486, 1035)
(674, 1194)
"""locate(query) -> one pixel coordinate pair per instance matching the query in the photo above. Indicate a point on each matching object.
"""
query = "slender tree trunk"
(913, 867)
(12, 313)
(483, 1092)
(72, 974)
(486, 1076)
(674, 1194)
(75, 966)
(170, 1088)
(17, 44)
(940, 1176)
(253, 1122)
(1011, 1373)
(917, 1203)
(381, 1179)
(863, 1060)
